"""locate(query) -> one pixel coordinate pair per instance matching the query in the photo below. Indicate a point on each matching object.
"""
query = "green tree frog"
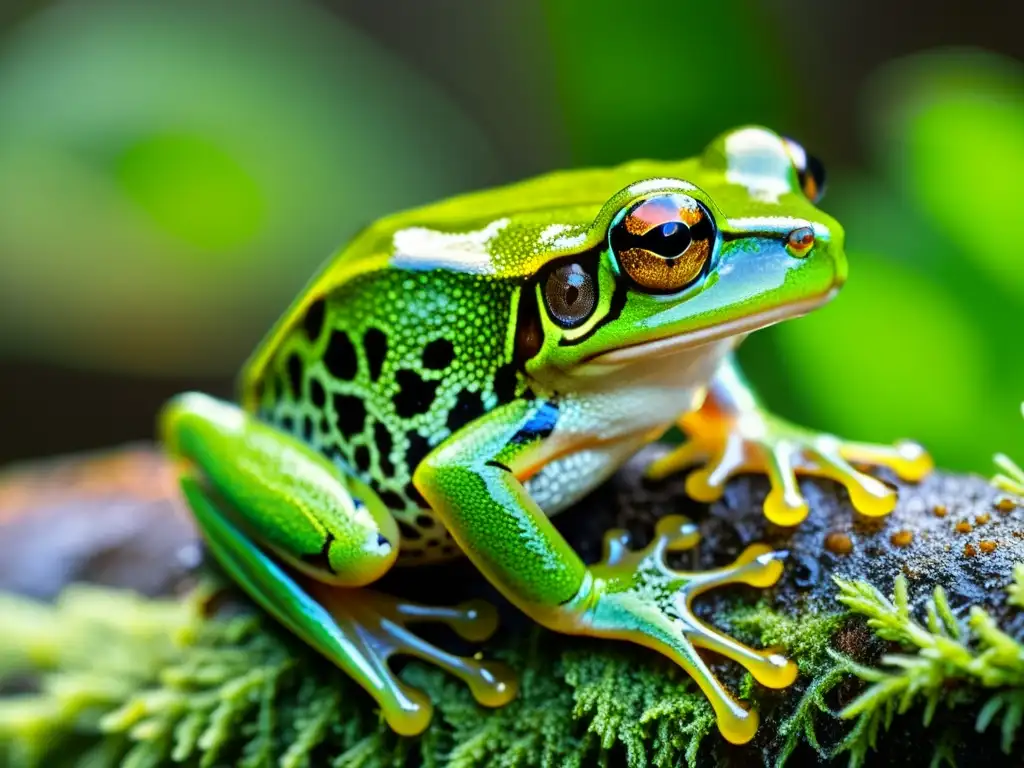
(459, 373)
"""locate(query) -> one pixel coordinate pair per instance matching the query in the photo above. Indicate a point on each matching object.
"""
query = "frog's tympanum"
(461, 372)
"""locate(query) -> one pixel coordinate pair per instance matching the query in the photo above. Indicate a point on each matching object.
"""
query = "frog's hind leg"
(263, 497)
(359, 630)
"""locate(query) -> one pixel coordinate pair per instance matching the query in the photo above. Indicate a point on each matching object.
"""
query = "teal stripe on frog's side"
(383, 369)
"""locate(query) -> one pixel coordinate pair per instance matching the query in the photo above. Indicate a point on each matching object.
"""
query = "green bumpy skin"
(461, 372)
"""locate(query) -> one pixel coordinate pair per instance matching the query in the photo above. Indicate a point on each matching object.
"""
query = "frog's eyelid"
(773, 226)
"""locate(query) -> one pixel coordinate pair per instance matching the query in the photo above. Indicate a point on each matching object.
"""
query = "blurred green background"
(171, 173)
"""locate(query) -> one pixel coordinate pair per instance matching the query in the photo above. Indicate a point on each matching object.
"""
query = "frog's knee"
(192, 419)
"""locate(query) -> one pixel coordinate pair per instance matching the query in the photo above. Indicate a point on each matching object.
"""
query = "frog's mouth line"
(669, 345)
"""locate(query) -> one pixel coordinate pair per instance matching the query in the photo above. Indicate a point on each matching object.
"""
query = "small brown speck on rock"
(939, 510)
(964, 527)
(902, 538)
(982, 518)
(838, 543)
(1005, 504)
(987, 546)
(969, 550)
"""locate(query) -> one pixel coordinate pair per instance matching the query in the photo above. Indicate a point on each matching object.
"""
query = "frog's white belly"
(600, 429)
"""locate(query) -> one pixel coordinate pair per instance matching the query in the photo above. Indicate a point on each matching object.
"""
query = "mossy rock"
(102, 677)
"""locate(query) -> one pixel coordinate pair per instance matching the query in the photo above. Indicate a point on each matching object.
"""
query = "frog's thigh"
(286, 495)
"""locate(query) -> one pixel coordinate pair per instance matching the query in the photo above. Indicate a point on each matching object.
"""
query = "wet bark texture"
(115, 520)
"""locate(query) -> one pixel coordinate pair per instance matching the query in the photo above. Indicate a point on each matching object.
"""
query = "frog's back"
(409, 334)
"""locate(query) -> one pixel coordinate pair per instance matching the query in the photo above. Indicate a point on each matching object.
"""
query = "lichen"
(946, 663)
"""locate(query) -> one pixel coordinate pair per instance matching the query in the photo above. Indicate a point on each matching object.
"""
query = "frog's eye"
(809, 169)
(664, 243)
(570, 293)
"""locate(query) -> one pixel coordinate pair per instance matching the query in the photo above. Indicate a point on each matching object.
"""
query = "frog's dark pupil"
(571, 294)
(668, 241)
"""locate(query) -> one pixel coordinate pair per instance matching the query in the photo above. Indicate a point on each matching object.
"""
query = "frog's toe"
(491, 683)
(473, 620)
(616, 546)
(675, 533)
(785, 504)
(870, 496)
(909, 460)
(707, 484)
(679, 458)
(377, 626)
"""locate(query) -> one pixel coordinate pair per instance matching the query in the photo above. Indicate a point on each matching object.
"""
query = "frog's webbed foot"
(375, 626)
(636, 596)
(727, 445)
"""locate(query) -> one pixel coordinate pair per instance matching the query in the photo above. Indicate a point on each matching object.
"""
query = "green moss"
(135, 682)
(148, 682)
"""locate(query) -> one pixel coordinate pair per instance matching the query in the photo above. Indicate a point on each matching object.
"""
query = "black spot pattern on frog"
(438, 354)
(382, 438)
(415, 395)
(392, 500)
(391, 363)
(418, 449)
(468, 406)
(361, 458)
(505, 382)
(413, 494)
(295, 374)
(375, 345)
(317, 395)
(313, 322)
(351, 415)
(340, 357)
(409, 532)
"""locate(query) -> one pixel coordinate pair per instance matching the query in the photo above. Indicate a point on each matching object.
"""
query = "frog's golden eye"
(570, 293)
(809, 169)
(664, 243)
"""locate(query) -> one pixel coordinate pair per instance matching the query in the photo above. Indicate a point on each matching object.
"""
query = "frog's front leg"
(473, 481)
(732, 433)
(250, 488)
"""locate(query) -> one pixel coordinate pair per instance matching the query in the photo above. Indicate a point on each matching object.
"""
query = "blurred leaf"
(193, 189)
(654, 79)
(171, 174)
(951, 134)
